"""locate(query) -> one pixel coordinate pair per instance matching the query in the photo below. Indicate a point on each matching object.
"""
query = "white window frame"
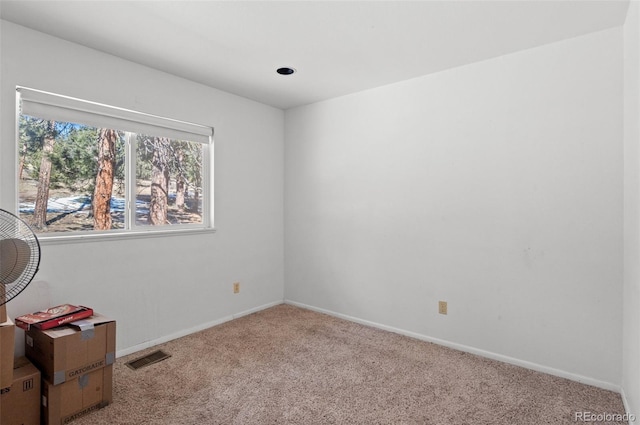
(57, 107)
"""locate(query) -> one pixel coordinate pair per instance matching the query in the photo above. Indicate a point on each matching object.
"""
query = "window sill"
(50, 239)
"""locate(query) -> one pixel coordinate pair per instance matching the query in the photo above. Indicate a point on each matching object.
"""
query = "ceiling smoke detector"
(285, 70)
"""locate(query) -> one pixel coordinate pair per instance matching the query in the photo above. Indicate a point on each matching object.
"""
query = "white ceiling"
(338, 47)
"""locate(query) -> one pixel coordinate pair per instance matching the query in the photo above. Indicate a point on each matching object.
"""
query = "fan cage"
(12, 227)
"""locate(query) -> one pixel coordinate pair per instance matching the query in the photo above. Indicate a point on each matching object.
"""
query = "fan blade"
(14, 258)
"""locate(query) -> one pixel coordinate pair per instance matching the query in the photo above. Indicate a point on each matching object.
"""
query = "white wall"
(157, 287)
(631, 288)
(495, 186)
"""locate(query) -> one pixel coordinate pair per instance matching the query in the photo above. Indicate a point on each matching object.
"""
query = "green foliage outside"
(75, 161)
(74, 156)
(185, 159)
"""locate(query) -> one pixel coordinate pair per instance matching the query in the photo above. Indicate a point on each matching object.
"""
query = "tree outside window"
(78, 177)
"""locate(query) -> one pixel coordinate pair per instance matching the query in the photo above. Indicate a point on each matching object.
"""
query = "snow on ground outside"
(81, 204)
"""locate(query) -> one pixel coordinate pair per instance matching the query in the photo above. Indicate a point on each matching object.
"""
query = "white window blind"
(68, 109)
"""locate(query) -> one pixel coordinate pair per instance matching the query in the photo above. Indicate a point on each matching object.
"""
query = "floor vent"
(147, 360)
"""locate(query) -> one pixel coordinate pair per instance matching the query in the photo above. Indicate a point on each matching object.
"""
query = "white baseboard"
(506, 359)
(625, 403)
(189, 331)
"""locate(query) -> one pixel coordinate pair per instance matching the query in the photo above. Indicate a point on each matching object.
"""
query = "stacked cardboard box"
(7, 346)
(76, 365)
(21, 401)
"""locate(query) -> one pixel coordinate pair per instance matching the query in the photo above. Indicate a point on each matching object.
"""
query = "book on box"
(53, 317)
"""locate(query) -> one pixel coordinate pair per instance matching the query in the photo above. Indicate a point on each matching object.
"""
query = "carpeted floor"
(287, 365)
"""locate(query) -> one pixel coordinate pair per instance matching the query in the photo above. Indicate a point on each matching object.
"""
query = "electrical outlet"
(442, 307)
(236, 287)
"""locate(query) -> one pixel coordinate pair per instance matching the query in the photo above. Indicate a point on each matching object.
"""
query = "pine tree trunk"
(196, 191)
(180, 181)
(44, 178)
(23, 155)
(159, 204)
(104, 179)
(196, 200)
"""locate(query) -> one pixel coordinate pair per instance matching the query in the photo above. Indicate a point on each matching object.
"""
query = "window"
(89, 169)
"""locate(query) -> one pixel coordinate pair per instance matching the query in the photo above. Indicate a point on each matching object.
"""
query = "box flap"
(71, 328)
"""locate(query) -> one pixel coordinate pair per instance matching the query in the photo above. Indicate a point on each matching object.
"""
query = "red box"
(53, 317)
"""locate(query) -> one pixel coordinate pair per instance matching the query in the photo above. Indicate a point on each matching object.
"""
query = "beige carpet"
(287, 365)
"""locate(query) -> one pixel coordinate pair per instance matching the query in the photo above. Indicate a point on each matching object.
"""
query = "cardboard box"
(21, 402)
(7, 348)
(3, 307)
(69, 351)
(63, 403)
